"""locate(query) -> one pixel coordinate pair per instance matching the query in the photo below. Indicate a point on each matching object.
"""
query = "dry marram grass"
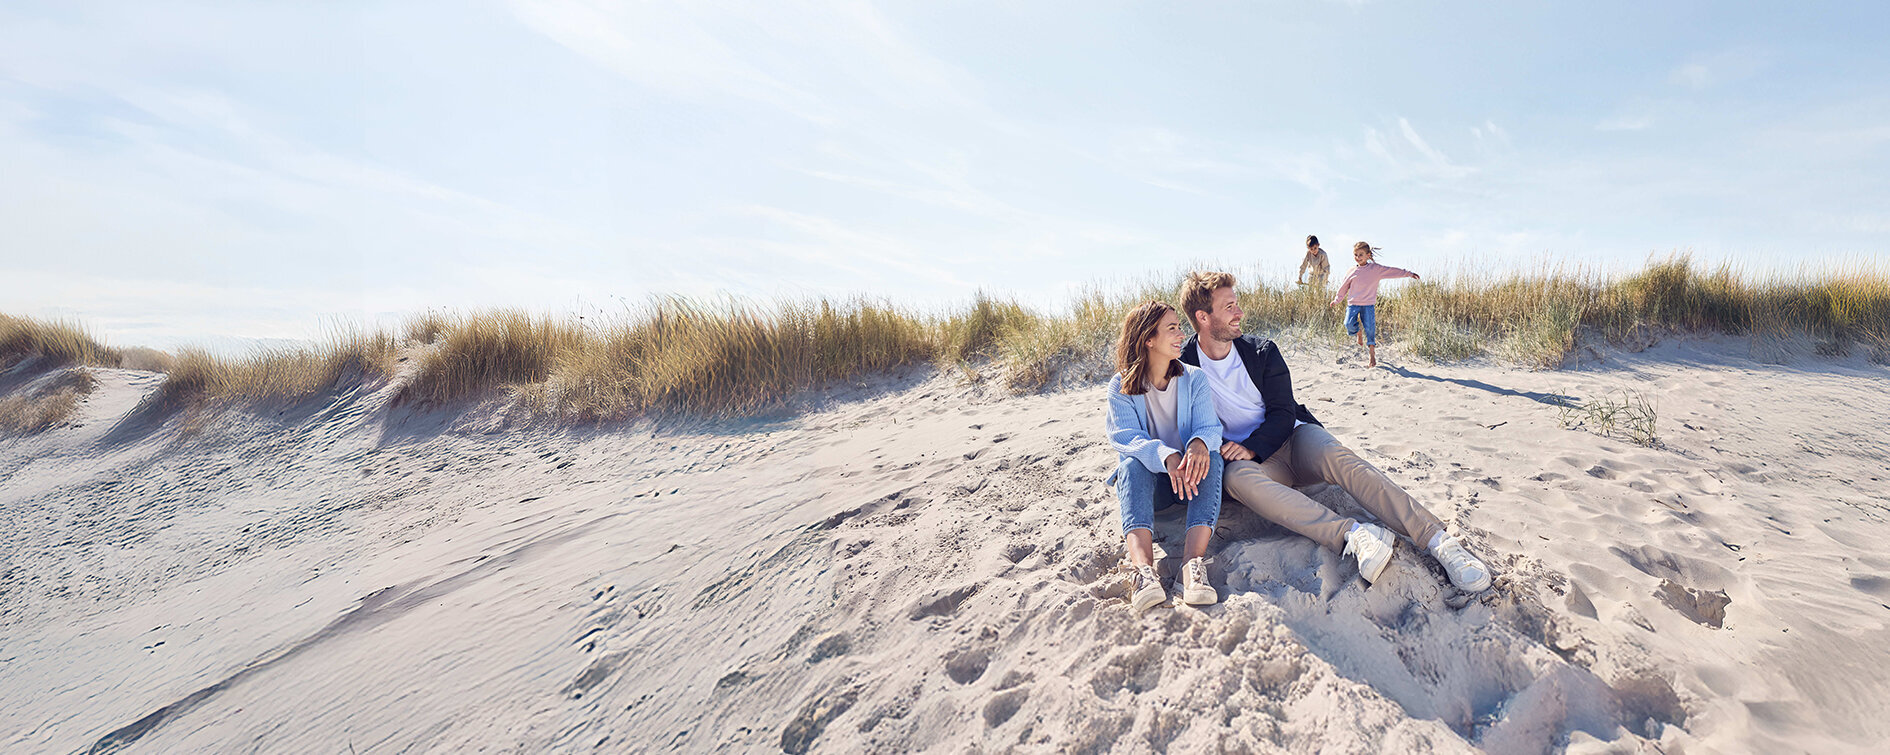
(59, 341)
(47, 406)
(735, 358)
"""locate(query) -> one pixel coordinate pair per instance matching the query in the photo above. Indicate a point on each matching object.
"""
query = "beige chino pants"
(1312, 455)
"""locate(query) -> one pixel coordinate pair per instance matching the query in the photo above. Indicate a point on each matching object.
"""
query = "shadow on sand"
(1552, 399)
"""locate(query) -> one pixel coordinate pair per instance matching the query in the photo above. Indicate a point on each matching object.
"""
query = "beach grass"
(197, 376)
(47, 405)
(736, 358)
(61, 342)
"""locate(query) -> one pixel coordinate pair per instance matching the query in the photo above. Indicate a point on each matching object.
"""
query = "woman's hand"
(1186, 471)
(1232, 451)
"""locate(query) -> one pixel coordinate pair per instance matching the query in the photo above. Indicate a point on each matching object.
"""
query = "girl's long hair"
(1132, 346)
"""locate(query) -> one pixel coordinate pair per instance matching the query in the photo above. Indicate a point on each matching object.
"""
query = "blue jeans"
(1365, 315)
(1140, 492)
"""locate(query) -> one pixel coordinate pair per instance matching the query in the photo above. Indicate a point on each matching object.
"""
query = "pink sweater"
(1362, 283)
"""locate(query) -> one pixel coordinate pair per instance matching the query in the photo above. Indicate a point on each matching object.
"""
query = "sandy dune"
(919, 563)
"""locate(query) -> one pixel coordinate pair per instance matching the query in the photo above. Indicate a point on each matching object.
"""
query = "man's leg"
(1266, 488)
(1319, 456)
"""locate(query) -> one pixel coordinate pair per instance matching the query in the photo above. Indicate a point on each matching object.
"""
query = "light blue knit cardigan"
(1133, 436)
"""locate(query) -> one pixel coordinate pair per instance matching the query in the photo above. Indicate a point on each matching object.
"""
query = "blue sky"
(261, 170)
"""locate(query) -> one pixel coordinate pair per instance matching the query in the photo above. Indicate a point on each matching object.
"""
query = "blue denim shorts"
(1362, 315)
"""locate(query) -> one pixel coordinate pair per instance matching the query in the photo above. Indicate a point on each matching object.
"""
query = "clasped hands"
(1187, 470)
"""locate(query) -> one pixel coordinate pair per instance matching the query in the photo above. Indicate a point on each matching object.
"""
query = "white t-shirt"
(1162, 414)
(1237, 400)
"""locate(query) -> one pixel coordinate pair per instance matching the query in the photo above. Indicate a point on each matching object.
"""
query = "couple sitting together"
(1191, 417)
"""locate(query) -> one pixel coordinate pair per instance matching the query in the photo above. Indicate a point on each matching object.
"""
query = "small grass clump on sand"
(47, 406)
(61, 342)
(1630, 416)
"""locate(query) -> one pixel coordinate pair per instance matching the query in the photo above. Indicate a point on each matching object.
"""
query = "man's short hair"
(1197, 293)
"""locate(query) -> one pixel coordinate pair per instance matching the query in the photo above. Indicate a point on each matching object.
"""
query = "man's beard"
(1226, 331)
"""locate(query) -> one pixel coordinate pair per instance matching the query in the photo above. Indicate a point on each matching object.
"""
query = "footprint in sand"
(942, 602)
(965, 664)
(1004, 705)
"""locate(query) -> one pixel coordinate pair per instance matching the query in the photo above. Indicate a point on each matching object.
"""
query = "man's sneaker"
(1371, 545)
(1466, 572)
(1195, 590)
(1145, 588)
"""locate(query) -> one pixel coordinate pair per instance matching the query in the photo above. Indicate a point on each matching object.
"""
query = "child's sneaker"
(1372, 546)
(1466, 572)
(1145, 588)
(1195, 590)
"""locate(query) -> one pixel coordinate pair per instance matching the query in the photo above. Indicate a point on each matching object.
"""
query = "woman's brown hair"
(1132, 346)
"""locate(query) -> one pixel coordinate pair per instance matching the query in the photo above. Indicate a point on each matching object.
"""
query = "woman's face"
(1166, 345)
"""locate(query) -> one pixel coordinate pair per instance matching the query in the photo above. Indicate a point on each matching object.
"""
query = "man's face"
(1223, 316)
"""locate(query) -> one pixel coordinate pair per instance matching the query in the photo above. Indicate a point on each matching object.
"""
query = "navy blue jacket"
(1267, 369)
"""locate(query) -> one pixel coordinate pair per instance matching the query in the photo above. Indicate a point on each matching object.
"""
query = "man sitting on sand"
(1271, 443)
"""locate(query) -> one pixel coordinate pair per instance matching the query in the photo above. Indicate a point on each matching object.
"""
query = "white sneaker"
(1466, 572)
(1372, 546)
(1195, 590)
(1145, 588)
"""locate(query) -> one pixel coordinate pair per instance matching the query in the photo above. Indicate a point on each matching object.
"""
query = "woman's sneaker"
(1371, 545)
(1195, 590)
(1145, 588)
(1466, 572)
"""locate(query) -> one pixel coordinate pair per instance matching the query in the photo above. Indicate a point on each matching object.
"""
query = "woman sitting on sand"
(1157, 407)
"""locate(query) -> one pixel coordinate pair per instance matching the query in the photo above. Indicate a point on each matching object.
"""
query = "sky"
(190, 172)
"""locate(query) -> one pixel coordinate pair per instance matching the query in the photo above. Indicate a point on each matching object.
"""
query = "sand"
(916, 562)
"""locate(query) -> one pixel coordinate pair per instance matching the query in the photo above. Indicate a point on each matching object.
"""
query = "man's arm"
(1276, 392)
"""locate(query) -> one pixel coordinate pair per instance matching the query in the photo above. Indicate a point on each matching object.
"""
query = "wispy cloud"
(1491, 132)
(1428, 163)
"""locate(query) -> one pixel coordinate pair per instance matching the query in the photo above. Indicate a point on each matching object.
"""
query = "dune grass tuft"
(195, 375)
(62, 342)
(47, 406)
(678, 355)
(483, 350)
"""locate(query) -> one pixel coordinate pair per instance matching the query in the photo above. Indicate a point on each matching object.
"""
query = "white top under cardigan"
(1161, 413)
(1131, 434)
